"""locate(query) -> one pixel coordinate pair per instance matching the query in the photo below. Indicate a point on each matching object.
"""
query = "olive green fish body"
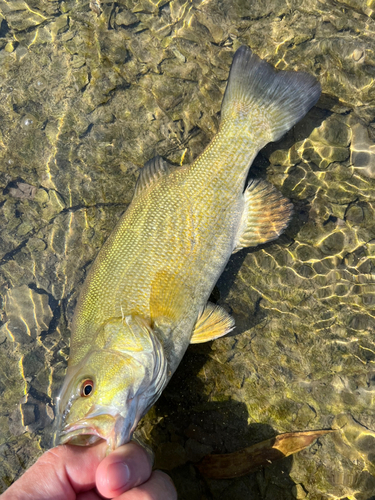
(185, 239)
(184, 224)
(145, 297)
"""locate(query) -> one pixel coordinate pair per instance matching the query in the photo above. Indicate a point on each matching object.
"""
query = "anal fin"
(214, 322)
(266, 214)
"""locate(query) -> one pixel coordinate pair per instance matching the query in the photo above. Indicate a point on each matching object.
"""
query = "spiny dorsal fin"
(151, 172)
(265, 216)
(214, 322)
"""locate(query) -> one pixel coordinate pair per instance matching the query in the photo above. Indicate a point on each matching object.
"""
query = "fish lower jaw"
(82, 437)
(89, 431)
(114, 429)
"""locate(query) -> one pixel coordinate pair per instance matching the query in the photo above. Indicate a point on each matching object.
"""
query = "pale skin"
(86, 473)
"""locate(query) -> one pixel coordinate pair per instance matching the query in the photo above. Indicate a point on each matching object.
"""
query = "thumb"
(123, 469)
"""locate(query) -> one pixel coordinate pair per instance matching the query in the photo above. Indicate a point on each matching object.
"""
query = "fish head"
(109, 390)
(97, 400)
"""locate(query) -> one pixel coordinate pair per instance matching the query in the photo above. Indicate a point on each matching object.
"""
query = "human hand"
(79, 473)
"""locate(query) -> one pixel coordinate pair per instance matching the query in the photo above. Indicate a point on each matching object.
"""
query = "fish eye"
(87, 387)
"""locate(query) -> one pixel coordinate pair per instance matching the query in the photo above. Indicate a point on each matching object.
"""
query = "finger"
(59, 474)
(126, 467)
(159, 487)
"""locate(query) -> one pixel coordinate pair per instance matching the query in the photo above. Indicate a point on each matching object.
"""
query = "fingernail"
(118, 475)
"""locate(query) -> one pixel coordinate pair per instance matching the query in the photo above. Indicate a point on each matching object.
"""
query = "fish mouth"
(83, 436)
(91, 429)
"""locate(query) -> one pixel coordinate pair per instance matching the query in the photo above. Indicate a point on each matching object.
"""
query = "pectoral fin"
(213, 323)
(168, 299)
(265, 216)
(168, 296)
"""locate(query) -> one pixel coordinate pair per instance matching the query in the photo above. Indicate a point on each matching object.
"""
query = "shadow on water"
(190, 427)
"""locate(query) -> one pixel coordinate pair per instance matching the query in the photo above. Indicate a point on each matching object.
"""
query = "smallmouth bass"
(145, 296)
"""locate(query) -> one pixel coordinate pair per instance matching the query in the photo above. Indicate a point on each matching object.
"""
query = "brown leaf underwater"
(242, 462)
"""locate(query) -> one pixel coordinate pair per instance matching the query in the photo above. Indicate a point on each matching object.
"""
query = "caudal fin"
(257, 89)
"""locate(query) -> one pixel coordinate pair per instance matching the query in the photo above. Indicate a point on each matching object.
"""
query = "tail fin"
(286, 96)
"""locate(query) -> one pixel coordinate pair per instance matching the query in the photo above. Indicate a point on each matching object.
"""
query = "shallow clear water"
(86, 100)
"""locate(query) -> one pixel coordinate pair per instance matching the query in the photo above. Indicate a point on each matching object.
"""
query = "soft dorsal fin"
(151, 172)
(214, 322)
(265, 216)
